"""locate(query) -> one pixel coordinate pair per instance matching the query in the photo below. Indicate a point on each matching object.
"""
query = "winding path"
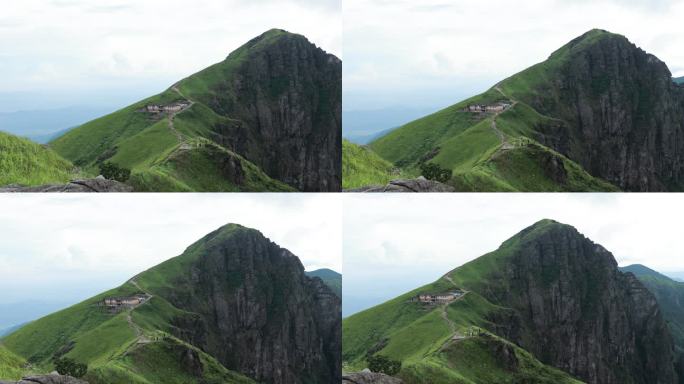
(172, 116)
(139, 334)
(505, 145)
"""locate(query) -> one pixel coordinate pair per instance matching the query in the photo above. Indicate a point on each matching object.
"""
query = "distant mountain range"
(233, 308)
(267, 118)
(599, 114)
(548, 306)
(43, 126)
(331, 278)
(362, 127)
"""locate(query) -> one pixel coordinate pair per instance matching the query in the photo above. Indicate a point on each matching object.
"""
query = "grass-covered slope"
(197, 147)
(27, 163)
(362, 167)
(670, 296)
(679, 80)
(132, 346)
(12, 367)
(496, 150)
(422, 336)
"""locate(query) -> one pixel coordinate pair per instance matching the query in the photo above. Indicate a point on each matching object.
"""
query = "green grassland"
(12, 367)
(362, 167)
(487, 151)
(420, 336)
(131, 346)
(27, 163)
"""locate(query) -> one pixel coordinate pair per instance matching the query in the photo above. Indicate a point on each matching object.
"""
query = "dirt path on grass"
(172, 116)
(139, 334)
(505, 145)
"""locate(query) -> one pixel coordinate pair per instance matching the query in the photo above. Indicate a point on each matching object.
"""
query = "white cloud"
(400, 53)
(78, 46)
(50, 242)
(395, 243)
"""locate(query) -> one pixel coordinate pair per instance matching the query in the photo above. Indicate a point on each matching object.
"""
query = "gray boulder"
(419, 184)
(86, 185)
(47, 379)
(369, 378)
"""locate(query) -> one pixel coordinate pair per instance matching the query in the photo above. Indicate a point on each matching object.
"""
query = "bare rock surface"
(419, 184)
(85, 185)
(47, 379)
(369, 378)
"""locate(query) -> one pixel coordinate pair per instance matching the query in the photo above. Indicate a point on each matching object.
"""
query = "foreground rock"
(420, 184)
(86, 185)
(47, 379)
(369, 378)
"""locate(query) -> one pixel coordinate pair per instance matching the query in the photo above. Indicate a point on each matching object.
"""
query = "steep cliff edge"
(248, 294)
(623, 116)
(233, 308)
(548, 306)
(599, 114)
(575, 310)
(267, 118)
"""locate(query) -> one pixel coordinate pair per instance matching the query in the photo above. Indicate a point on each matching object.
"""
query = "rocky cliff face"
(575, 310)
(255, 310)
(286, 98)
(624, 114)
(47, 379)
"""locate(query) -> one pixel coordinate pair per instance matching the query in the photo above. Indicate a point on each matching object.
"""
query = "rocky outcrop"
(369, 378)
(84, 185)
(47, 379)
(419, 184)
(573, 309)
(251, 306)
(285, 99)
(623, 114)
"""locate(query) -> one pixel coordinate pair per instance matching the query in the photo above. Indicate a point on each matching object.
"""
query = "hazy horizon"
(401, 242)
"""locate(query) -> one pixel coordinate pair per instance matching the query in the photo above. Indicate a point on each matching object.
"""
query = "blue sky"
(59, 53)
(434, 53)
(70, 247)
(393, 244)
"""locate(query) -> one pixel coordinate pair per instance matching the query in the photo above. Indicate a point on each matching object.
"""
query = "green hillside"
(496, 150)
(331, 278)
(361, 167)
(679, 80)
(12, 367)
(670, 296)
(447, 343)
(189, 143)
(27, 163)
(134, 345)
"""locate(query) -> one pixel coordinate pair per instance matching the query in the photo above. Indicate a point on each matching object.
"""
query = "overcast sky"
(74, 246)
(437, 52)
(55, 53)
(395, 243)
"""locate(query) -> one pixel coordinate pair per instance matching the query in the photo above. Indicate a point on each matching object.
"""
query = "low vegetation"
(27, 163)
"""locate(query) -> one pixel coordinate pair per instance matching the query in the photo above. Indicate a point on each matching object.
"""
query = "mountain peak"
(586, 40)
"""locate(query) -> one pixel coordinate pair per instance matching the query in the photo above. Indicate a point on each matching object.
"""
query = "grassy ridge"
(148, 144)
(131, 346)
(494, 152)
(420, 336)
(27, 163)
